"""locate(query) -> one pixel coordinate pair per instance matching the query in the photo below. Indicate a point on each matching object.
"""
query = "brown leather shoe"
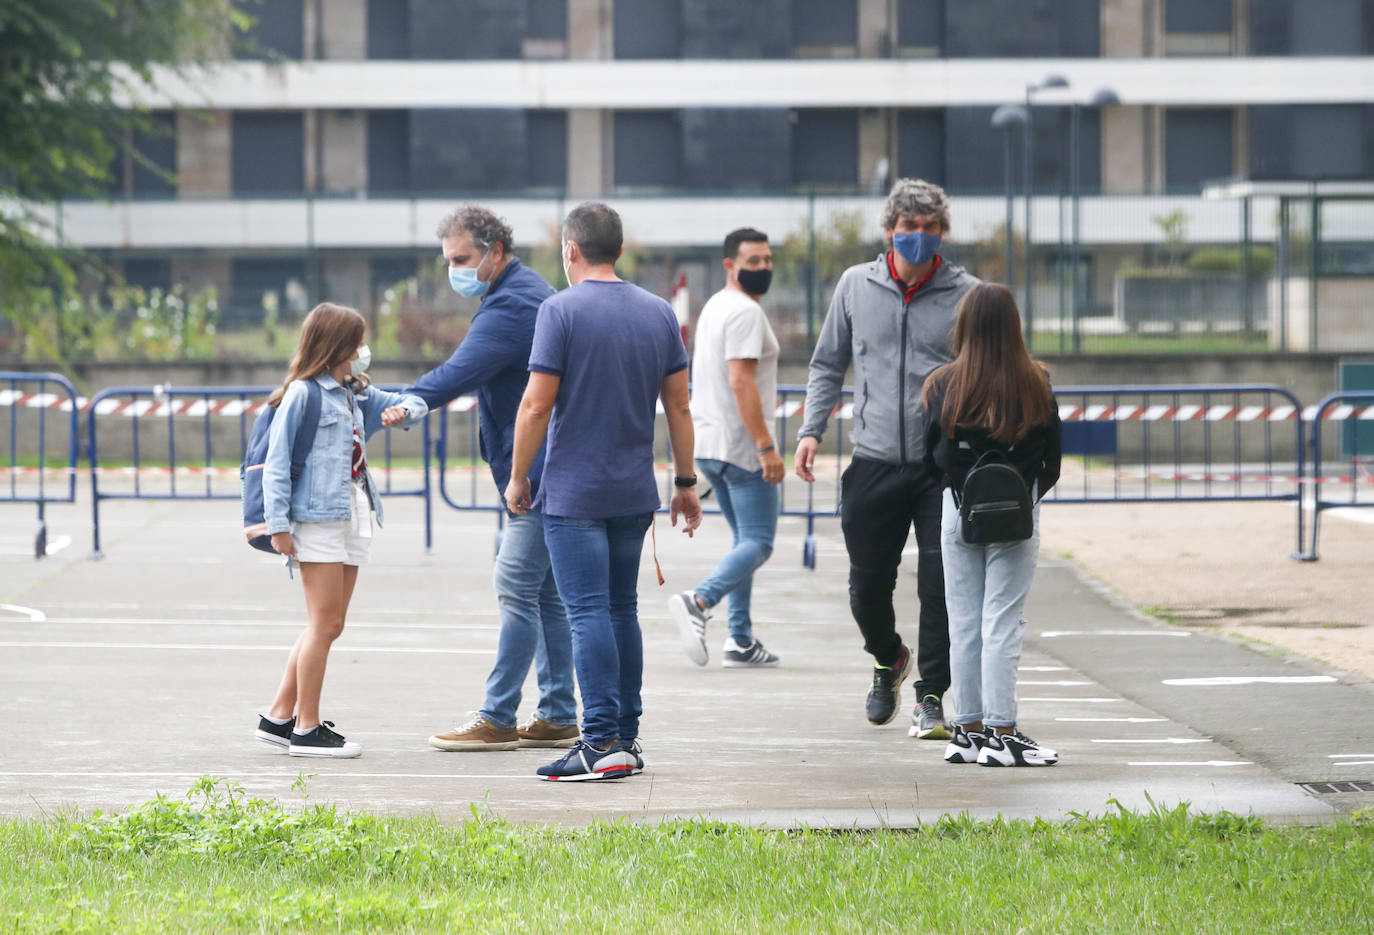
(537, 732)
(476, 735)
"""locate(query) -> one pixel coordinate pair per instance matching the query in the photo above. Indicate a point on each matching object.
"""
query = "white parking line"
(34, 615)
(1253, 679)
(1355, 763)
(1042, 668)
(242, 622)
(1118, 720)
(1342, 756)
(234, 647)
(105, 774)
(1064, 682)
(1170, 740)
(1079, 700)
(1052, 634)
(1190, 763)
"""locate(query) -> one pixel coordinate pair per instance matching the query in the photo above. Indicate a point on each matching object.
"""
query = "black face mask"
(755, 281)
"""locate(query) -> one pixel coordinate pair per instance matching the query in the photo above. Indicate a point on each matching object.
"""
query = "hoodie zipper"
(901, 385)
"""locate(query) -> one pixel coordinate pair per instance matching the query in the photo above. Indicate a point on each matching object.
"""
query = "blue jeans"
(750, 506)
(985, 591)
(596, 563)
(534, 627)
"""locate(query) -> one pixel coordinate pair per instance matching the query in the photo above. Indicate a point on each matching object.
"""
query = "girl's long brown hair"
(993, 382)
(329, 336)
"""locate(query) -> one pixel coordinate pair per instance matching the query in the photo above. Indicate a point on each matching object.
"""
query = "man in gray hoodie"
(893, 320)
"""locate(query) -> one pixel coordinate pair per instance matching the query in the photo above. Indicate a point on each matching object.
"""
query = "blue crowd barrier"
(41, 393)
(167, 408)
(1350, 410)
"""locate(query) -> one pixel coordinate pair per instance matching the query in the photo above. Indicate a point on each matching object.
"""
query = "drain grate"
(1328, 788)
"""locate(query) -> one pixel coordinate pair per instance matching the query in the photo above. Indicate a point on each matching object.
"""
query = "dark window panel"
(250, 278)
(1197, 15)
(467, 150)
(278, 29)
(974, 152)
(1329, 142)
(474, 29)
(730, 29)
(825, 22)
(546, 148)
(648, 148)
(388, 152)
(546, 19)
(1198, 148)
(1080, 28)
(268, 152)
(921, 144)
(1331, 27)
(921, 26)
(1271, 142)
(387, 271)
(388, 29)
(1021, 28)
(742, 149)
(648, 29)
(148, 273)
(158, 146)
(825, 147)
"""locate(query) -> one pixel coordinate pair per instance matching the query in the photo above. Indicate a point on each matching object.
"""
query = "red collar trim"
(909, 292)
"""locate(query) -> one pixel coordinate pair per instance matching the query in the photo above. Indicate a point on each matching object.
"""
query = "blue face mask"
(465, 282)
(917, 248)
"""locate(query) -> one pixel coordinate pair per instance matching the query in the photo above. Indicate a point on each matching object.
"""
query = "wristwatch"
(685, 481)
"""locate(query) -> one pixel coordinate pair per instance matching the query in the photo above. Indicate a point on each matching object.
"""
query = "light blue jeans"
(985, 591)
(534, 627)
(750, 506)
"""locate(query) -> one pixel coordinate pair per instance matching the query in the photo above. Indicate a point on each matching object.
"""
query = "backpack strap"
(305, 434)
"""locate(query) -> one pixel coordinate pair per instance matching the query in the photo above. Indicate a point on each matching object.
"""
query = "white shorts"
(348, 541)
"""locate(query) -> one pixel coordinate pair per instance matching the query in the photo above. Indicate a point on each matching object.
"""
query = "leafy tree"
(68, 72)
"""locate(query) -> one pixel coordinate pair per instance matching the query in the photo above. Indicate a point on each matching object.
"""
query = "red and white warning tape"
(152, 408)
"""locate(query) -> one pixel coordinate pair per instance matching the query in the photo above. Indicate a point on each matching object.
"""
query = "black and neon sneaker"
(322, 740)
(585, 763)
(750, 656)
(928, 720)
(886, 692)
(691, 625)
(965, 745)
(1014, 749)
(278, 735)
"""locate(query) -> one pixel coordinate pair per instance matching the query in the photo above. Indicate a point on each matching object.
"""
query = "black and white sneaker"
(752, 656)
(278, 735)
(1014, 749)
(636, 752)
(965, 745)
(323, 740)
(691, 624)
(584, 763)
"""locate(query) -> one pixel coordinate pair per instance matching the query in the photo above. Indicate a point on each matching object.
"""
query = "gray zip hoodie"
(893, 346)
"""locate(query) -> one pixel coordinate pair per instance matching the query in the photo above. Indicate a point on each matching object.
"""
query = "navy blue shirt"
(612, 344)
(493, 361)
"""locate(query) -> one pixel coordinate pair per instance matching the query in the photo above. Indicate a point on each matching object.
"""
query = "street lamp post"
(1007, 118)
(1047, 83)
(1103, 97)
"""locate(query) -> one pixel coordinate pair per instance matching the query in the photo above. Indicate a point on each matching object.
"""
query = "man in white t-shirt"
(734, 390)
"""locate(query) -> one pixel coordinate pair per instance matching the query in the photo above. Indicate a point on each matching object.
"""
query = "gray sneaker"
(928, 720)
(691, 624)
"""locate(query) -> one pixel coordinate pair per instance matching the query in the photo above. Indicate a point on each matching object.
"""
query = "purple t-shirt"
(612, 344)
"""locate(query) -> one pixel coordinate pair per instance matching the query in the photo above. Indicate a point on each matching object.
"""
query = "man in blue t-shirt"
(604, 351)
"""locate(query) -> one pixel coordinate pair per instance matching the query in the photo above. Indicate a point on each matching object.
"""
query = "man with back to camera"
(893, 319)
(493, 361)
(604, 352)
(734, 390)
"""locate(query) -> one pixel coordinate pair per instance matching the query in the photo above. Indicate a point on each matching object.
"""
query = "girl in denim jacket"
(993, 396)
(323, 520)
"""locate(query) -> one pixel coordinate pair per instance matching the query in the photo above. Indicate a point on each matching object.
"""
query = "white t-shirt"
(732, 326)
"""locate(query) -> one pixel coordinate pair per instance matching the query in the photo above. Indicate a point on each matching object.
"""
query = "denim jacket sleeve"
(276, 469)
(375, 400)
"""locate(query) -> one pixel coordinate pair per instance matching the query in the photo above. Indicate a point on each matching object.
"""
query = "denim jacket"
(321, 493)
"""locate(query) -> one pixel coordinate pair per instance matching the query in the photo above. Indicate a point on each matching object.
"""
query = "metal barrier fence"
(214, 412)
(1349, 409)
(19, 396)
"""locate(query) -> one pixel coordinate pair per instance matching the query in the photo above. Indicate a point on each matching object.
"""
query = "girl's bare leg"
(328, 590)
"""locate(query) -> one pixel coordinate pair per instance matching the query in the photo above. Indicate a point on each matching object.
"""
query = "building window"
(648, 148)
(546, 29)
(1198, 148)
(920, 28)
(148, 273)
(452, 150)
(1022, 29)
(736, 149)
(825, 28)
(1198, 27)
(825, 147)
(648, 29)
(1329, 142)
(278, 30)
(268, 153)
(1333, 27)
(442, 30)
(256, 284)
(728, 29)
(158, 146)
(921, 144)
(388, 153)
(546, 149)
(388, 29)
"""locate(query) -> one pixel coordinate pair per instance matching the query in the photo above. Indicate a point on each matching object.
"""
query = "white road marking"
(1052, 634)
(1190, 763)
(105, 774)
(1079, 700)
(1355, 763)
(1252, 679)
(244, 622)
(35, 615)
(1119, 720)
(1042, 668)
(1060, 682)
(241, 647)
(1342, 756)
(1161, 740)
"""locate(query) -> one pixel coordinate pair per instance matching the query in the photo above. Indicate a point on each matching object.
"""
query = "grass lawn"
(222, 862)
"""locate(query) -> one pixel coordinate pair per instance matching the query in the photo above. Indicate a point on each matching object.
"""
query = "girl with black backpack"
(993, 439)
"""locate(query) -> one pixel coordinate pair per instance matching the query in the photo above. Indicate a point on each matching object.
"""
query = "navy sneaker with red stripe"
(585, 763)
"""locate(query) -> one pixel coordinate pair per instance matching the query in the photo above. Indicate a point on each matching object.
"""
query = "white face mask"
(358, 366)
(563, 251)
